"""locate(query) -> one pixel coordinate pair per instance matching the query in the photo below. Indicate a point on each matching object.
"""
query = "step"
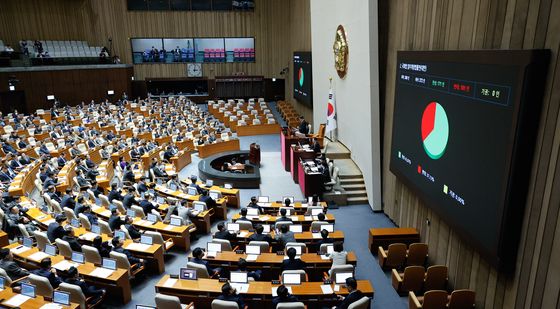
(358, 177)
(357, 193)
(353, 187)
(357, 200)
(351, 181)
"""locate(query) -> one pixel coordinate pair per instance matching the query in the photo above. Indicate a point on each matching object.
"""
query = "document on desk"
(169, 228)
(101, 272)
(138, 247)
(251, 257)
(89, 236)
(325, 257)
(265, 218)
(16, 300)
(316, 235)
(51, 306)
(95, 207)
(243, 234)
(336, 287)
(294, 218)
(307, 218)
(327, 289)
(64, 265)
(106, 213)
(240, 287)
(169, 282)
(19, 249)
(38, 256)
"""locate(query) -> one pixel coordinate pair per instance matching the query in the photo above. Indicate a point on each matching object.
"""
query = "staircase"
(355, 189)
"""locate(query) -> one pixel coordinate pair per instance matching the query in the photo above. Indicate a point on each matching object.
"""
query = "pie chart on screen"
(435, 130)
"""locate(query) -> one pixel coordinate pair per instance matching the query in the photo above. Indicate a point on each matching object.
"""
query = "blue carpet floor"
(353, 220)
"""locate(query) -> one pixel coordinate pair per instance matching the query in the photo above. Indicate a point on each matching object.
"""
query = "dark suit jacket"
(73, 241)
(13, 270)
(303, 129)
(115, 195)
(225, 234)
(53, 279)
(208, 200)
(129, 200)
(55, 231)
(350, 298)
(68, 201)
(294, 264)
(147, 206)
(133, 231)
(132, 259)
(260, 237)
(115, 222)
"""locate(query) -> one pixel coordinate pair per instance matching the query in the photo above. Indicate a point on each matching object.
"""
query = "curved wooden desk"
(205, 151)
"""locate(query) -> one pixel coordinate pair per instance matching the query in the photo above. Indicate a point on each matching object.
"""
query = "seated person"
(283, 216)
(115, 193)
(12, 268)
(132, 230)
(285, 236)
(292, 263)
(198, 255)
(230, 294)
(259, 236)
(210, 202)
(68, 200)
(243, 215)
(146, 205)
(102, 247)
(91, 217)
(223, 233)
(174, 183)
(242, 266)
(193, 184)
(353, 294)
(55, 229)
(115, 220)
(284, 296)
(118, 247)
(45, 270)
(254, 204)
(324, 239)
(338, 257)
(15, 217)
(88, 290)
(72, 240)
(129, 199)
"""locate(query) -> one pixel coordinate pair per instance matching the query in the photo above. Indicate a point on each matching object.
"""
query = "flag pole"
(330, 88)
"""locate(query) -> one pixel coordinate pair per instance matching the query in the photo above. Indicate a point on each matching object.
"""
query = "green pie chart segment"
(435, 130)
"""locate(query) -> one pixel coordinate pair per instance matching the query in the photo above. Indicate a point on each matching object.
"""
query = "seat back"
(104, 227)
(167, 301)
(362, 303)
(265, 246)
(436, 278)
(417, 254)
(316, 225)
(91, 254)
(42, 240)
(104, 200)
(23, 230)
(396, 255)
(245, 225)
(64, 248)
(224, 304)
(278, 225)
(226, 245)
(461, 299)
(120, 206)
(156, 237)
(69, 214)
(310, 209)
(297, 244)
(84, 221)
(340, 269)
(413, 278)
(76, 294)
(435, 299)
(301, 272)
(42, 285)
(292, 305)
(138, 210)
(56, 207)
(122, 260)
(7, 279)
(126, 233)
(201, 271)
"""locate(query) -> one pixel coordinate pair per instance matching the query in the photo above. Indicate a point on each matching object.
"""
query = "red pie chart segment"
(428, 119)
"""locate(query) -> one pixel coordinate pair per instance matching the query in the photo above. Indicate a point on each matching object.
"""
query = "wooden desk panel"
(259, 129)
(33, 303)
(24, 181)
(205, 151)
(385, 236)
(182, 159)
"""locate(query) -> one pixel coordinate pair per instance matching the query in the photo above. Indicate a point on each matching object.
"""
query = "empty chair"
(122, 262)
(461, 299)
(292, 305)
(64, 248)
(436, 278)
(42, 240)
(84, 221)
(265, 246)
(411, 280)
(224, 304)
(42, 285)
(435, 299)
(201, 271)
(417, 254)
(394, 257)
(226, 245)
(301, 272)
(169, 302)
(91, 254)
(77, 296)
(362, 303)
(158, 239)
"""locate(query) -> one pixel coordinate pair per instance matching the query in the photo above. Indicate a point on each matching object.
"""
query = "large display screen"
(463, 130)
(303, 82)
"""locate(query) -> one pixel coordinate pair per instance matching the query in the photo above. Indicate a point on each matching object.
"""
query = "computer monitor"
(62, 298)
(28, 290)
(198, 207)
(316, 211)
(296, 228)
(214, 195)
(120, 234)
(310, 200)
(160, 200)
(146, 240)
(176, 221)
(152, 218)
(109, 263)
(238, 277)
(228, 186)
(131, 213)
(209, 182)
(329, 248)
(78, 257)
(251, 249)
(213, 247)
(328, 227)
(111, 207)
(187, 274)
(2, 282)
(50, 250)
(75, 223)
(291, 198)
(192, 191)
(266, 228)
(262, 199)
(291, 279)
(172, 186)
(298, 249)
(233, 227)
(252, 211)
(96, 229)
(340, 278)
(28, 242)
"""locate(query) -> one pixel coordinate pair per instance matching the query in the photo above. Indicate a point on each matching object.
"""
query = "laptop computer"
(152, 218)
(176, 221)
(316, 211)
(28, 290)
(75, 223)
(2, 282)
(160, 200)
(131, 213)
(213, 247)
(146, 240)
(28, 242)
(266, 228)
(228, 186)
(233, 227)
(62, 298)
(172, 186)
(238, 277)
(111, 207)
(340, 278)
(291, 279)
(214, 195)
(330, 249)
(187, 274)
(298, 249)
(209, 182)
(262, 199)
(120, 234)
(328, 227)
(198, 207)
(78, 257)
(50, 250)
(296, 228)
(109, 263)
(192, 191)
(251, 249)
(96, 229)
(252, 211)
